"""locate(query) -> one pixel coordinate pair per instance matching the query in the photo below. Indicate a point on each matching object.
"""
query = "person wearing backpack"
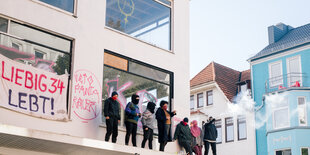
(132, 116)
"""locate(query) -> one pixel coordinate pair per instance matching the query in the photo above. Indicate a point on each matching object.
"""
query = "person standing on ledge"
(111, 113)
(163, 117)
(132, 116)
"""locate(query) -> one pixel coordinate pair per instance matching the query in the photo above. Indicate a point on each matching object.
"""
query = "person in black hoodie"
(163, 117)
(210, 135)
(111, 114)
(183, 135)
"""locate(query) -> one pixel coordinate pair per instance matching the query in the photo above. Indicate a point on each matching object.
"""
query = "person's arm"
(176, 133)
(129, 110)
(118, 115)
(143, 120)
(160, 116)
(106, 108)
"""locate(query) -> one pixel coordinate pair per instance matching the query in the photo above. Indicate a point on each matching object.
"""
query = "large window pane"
(209, 97)
(284, 152)
(3, 24)
(127, 84)
(281, 118)
(147, 20)
(294, 70)
(275, 71)
(40, 37)
(149, 72)
(67, 5)
(35, 55)
(304, 151)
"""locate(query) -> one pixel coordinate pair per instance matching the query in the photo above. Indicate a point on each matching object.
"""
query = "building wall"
(260, 75)
(219, 110)
(91, 38)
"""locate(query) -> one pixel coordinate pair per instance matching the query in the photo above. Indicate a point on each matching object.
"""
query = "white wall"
(90, 39)
(219, 111)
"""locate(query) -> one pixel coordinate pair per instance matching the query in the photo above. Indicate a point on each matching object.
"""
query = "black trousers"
(131, 128)
(213, 147)
(147, 135)
(112, 128)
(163, 144)
(187, 147)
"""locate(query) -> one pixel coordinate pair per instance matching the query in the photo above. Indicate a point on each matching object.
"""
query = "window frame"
(55, 34)
(304, 148)
(171, 34)
(192, 97)
(171, 75)
(281, 70)
(305, 110)
(238, 129)
(288, 115)
(207, 97)
(198, 100)
(282, 149)
(219, 126)
(288, 69)
(226, 127)
(74, 13)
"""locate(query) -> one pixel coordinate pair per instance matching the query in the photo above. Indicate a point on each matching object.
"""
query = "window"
(36, 45)
(3, 25)
(242, 132)
(119, 75)
(281, 115)
(284, 152)
(304, 151)
(275, 74)
(67, 5)
(302, 111)
(229, 124)
(209, 97)
(147, 20)
(293, 70)
(200, 100)
(192, 104)
(218, 125)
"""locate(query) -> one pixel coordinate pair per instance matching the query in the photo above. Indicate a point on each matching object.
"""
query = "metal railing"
(282, 82)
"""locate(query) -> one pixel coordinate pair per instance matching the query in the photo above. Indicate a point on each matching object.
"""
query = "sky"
(231, 31)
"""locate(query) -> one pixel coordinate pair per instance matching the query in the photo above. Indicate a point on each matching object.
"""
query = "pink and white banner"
(32, 91)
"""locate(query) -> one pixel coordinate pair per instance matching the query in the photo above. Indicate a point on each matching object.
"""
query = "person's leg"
(145, 137)
(206, 147)
(109, 129)
(213, 147)
(128, 132)
(199, 150)
(115, 130)
(133, 134)
(150, 139)
(187, 148)
(161, 147)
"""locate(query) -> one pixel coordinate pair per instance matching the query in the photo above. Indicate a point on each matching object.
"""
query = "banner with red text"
(32, 91)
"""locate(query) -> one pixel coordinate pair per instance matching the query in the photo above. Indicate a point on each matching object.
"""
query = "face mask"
(114, 98)
(185, 123)
(135, 101)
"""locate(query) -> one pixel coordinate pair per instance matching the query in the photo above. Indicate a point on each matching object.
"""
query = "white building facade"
(212, 90)
(62, 59)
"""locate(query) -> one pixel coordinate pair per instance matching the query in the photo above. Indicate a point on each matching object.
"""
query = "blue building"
(281, 90)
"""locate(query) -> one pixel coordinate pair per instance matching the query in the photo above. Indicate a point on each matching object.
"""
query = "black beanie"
(185, 119)
(114, 93)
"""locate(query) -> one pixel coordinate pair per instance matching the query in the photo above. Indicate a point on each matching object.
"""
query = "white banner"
(32, 91)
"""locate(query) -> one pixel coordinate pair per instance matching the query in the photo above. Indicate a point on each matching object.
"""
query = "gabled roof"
(245, 75)
(225, 77)
(295, 37)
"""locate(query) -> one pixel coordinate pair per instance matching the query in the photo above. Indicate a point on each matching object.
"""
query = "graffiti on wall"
(86, 102)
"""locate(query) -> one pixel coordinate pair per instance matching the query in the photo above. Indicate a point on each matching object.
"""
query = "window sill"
(122, 33)
(55, 8)
(229, 141)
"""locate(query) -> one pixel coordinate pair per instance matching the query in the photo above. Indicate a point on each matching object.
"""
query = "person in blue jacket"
(132, 116)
